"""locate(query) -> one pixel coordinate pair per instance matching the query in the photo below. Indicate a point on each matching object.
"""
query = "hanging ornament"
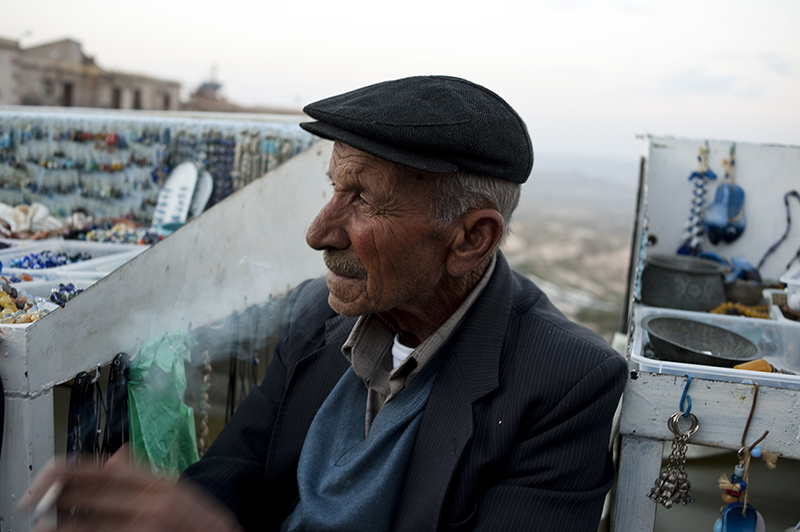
(672, 485)
(725, 218)
(694, 231)
(737, 514)
(205, 406)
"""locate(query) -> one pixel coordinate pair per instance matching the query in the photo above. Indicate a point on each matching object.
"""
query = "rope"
(747, 450)
(773, 247)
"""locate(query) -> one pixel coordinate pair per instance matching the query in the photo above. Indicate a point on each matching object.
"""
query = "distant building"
(209, 98)
(10, 73)
(60, 74)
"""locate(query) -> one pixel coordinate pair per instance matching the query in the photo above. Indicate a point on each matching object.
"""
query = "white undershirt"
(400, 352)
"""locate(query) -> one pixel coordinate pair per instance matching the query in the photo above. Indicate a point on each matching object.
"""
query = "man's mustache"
(340, 264)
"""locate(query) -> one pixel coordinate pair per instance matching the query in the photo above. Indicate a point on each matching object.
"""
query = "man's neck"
(417, 322)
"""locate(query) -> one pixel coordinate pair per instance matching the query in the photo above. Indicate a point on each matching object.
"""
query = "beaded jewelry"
(47, 259)
(113, 167)
(694, 231)
(205, 406)
(115, 433)
(19, 307)
(738, 309)
(735, 488)
(64, 293)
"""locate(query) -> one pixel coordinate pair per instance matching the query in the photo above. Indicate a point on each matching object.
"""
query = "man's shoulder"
(307, 308)
(310, 293)
(309, 318)
(538, 318)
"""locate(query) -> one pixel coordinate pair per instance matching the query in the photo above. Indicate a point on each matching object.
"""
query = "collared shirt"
(369, 351)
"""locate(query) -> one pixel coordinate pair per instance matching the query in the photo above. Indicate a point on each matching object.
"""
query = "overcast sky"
(587, 76)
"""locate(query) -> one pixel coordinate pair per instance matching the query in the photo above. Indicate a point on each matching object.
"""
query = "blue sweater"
(348, 482)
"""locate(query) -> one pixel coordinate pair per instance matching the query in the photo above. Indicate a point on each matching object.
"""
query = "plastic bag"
(162, 430)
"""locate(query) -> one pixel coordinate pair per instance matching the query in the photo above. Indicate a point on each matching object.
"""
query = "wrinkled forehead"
(351, 161)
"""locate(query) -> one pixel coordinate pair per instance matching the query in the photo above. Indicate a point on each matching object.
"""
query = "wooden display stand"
(766, 173)
(722, 408)
(239, 253)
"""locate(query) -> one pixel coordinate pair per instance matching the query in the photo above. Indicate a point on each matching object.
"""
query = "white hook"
(96, 374)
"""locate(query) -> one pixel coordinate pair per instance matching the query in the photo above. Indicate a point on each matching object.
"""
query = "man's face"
(382, 249)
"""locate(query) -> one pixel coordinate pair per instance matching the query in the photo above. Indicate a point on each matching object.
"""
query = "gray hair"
(460, 192)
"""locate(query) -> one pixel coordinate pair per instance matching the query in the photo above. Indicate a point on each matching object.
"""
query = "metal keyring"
(675, 428)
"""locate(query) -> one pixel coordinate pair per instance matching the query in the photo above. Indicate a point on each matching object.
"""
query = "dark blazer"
(514, 436)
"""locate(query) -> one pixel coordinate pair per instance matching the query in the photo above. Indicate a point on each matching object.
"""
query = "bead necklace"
(47, 259)
(119, 233)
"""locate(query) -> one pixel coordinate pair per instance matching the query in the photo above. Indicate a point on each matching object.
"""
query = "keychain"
(672, 485)
(737, 514)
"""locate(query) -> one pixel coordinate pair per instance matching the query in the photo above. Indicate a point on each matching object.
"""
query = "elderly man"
(422, 385)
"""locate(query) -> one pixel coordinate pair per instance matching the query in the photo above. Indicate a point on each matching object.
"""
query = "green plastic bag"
(161, 424)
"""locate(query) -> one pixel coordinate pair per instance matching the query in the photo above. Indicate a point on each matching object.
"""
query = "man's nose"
(328, 230)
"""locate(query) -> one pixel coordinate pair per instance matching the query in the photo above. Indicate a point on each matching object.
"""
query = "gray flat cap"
(439, 124)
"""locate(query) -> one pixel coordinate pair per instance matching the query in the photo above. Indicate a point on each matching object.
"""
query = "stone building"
(9, 72)
(60, 74)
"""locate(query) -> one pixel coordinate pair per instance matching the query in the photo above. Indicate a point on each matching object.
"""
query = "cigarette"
(47, 501)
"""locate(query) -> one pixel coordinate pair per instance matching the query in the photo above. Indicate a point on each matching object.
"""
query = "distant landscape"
(571, 235)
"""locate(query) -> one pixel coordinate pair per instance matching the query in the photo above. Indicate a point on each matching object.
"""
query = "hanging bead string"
(115, 433)
(730, 175)
(75, 161)
(205, 406)
(695, 231)
(223, 156)
(773, 247)
(85, 403)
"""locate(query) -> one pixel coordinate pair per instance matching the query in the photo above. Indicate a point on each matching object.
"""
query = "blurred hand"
(118, 497)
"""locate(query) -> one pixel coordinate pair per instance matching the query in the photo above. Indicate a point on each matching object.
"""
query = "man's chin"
(345, 308)
(345, 295)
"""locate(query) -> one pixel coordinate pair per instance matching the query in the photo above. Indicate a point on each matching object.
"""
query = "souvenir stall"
(149, 319)
(115, 164)
(714, 340)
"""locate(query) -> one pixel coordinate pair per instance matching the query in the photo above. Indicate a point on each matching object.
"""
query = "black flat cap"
(439, 124)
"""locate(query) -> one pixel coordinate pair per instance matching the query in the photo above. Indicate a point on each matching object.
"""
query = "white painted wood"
(640, 465)
(239, 253)
(721, 408)
(27, 447)
(764, 171)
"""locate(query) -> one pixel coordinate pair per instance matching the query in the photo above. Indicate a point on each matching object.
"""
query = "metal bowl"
(682, 282)
(692, 342)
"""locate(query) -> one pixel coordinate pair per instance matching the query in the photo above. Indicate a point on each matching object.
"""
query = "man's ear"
(477, 234)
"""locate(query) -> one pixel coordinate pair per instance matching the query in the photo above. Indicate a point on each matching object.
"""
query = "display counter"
(245, 251)
(680, 188)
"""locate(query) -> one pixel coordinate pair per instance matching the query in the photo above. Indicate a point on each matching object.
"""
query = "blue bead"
(756, 452)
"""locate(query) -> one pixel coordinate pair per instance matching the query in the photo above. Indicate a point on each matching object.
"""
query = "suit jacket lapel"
(308, 385)
(469, 372)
